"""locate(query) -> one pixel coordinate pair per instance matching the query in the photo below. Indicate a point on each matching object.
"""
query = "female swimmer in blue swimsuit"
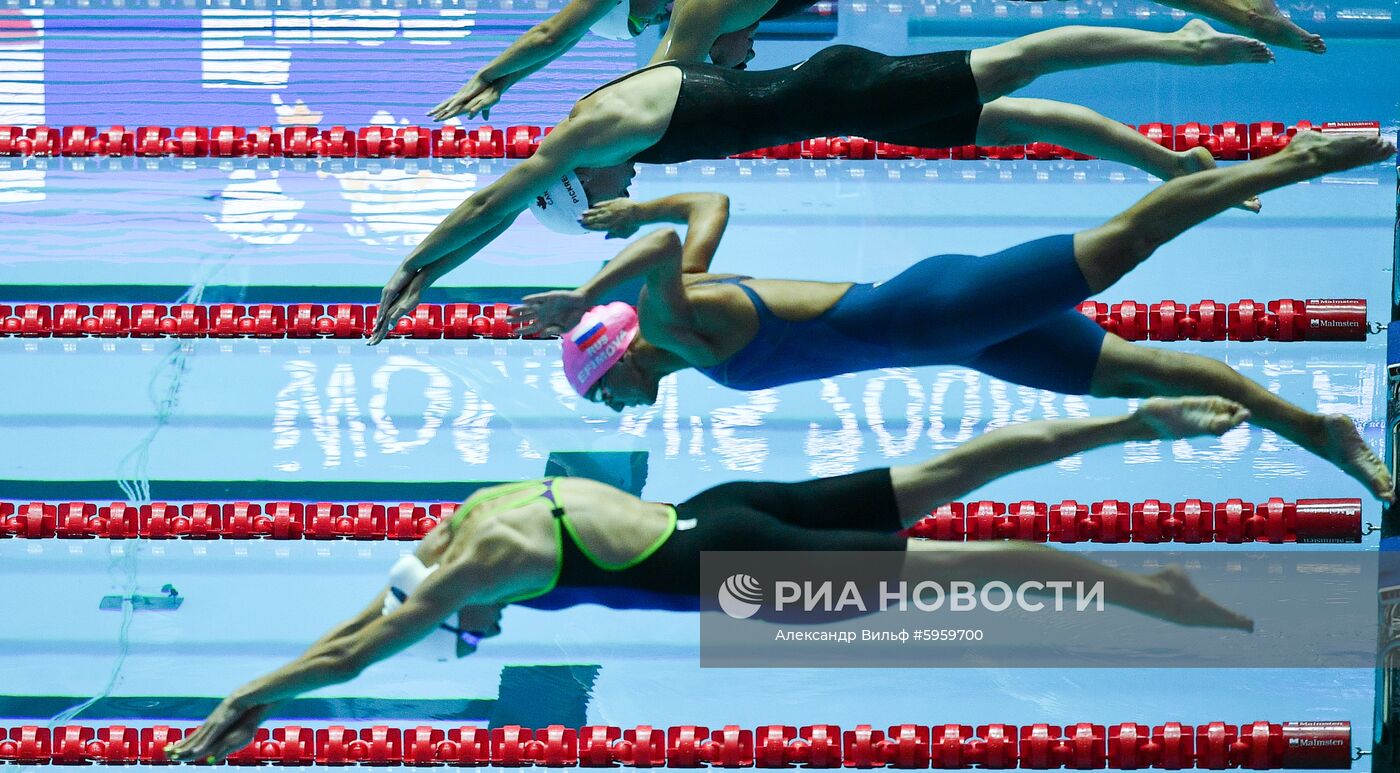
(750, 333)
(565, 541)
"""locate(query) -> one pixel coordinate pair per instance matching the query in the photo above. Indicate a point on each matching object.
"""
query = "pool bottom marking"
(168, 602)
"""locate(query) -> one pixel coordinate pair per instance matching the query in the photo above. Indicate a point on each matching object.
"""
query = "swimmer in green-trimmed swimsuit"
(563, 541)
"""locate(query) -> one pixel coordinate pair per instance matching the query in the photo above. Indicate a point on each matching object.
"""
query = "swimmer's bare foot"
(1183, 417)
(1208, 46)
(1184, 605)
(1325, 153)
(1198, 159)
(1258, 17)
(1338, 442)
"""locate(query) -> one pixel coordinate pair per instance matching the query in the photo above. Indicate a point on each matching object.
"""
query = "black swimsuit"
(784, 8)
(845, 512)
(928, 100)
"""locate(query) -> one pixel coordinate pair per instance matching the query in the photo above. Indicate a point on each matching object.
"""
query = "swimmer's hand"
(477, 96)
(400, 297)
(1183, 417)
(619, 217)
(231, 727)
(550, 313)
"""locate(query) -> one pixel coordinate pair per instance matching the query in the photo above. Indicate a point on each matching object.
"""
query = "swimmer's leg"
(1257, 17)
(1106, 253)
(1018, 121)
(1131, 370)
(1167, 595)
(1004, 68)
(919, 488)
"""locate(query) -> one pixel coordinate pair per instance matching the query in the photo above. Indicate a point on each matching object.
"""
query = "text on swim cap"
(569, 189)
(600, 352)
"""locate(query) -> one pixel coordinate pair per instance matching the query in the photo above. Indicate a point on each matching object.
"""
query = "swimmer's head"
(628, 18)
(734, 49)
(560, 207)
(625, 384)
(596, 361)
(449, 640)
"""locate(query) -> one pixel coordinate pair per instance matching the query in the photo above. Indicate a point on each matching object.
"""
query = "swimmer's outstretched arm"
(340, 656)
(919, 488)
(480, 98)
(503, 199)
(407, 298)
(477, 221)
(540, 45)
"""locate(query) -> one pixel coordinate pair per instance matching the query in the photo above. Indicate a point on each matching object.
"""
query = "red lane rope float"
(1286, 319)
(1191, 521)
(1082, 746)
(1228, 140)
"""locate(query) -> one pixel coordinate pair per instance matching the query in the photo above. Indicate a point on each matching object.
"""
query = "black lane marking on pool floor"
(530, 696)
(626, 470)
(276, 294)
(255, 490)
(282, 294)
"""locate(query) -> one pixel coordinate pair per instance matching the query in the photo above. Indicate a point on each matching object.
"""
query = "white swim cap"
(408, 573)
(560, 207)
(617, 25)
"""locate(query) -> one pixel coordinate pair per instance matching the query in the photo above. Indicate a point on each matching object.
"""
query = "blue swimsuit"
(1010, 315)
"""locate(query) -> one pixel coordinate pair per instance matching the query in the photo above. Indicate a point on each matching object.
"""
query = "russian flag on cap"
(589, 337)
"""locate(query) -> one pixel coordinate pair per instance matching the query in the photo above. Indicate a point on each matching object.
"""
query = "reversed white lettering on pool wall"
(301, 397)
(339, 411)
(252, 49)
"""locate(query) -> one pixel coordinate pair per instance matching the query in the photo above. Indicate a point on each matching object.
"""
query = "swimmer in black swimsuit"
(672, 112)
(565, 541)
(753, 334)
(723, 31)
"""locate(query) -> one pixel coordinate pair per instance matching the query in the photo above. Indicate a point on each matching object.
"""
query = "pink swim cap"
(597, 343)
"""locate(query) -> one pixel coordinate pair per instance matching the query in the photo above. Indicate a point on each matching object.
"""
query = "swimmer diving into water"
(1010, 315)
(565, 541)
(723, 31)
(673, 112)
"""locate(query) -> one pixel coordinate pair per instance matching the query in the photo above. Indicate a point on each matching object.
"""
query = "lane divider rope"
(1040, 746)
(1285, 319)
(1228, 140)
(1112, 521)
